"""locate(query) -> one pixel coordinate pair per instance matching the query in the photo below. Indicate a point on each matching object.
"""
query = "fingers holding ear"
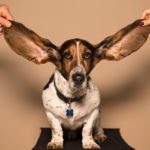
(5, 12)
(146, 17)
(145, 22)
(5, 22)
(146, 14)
(5, 17)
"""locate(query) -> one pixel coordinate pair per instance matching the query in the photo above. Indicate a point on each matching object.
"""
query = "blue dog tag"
(69, 112)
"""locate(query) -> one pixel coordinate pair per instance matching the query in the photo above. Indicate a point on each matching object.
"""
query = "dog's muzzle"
(78, 78)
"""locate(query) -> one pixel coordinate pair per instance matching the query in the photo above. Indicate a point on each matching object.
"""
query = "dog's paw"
(55, 145)
(100, 137)
(90, 144)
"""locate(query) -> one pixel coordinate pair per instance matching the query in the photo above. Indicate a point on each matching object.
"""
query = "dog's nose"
(78, 78)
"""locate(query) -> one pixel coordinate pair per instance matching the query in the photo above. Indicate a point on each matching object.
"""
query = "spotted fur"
(85, 112)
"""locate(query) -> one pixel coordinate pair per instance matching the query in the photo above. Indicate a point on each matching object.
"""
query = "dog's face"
(75, 58)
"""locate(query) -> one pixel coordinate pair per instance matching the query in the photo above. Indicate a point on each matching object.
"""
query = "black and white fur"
(86, 112)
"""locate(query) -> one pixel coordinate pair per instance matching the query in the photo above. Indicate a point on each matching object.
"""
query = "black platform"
(114, 141)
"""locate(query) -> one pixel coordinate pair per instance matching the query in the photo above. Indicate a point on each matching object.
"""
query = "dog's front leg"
(87, 138)
(57, 132)
(99, 135)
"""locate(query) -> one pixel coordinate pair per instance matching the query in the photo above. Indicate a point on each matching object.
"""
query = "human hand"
(146, 16)
(5, 16)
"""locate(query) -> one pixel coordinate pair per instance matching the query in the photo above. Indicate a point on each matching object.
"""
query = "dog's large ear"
(122, 43)
(27, 43)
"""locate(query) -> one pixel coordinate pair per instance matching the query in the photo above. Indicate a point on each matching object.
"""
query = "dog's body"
(71, 99)
(82, 97)
(83, 108)
(86, 112)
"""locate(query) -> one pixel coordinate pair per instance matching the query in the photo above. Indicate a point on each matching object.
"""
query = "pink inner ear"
(113, 52)
(129, 43)
(34, 51)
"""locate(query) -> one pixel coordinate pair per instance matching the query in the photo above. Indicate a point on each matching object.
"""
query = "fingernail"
(141, 23)
(8, 24)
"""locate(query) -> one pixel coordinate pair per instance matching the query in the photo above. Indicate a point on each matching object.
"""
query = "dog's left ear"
(30, 45)
(122, 43)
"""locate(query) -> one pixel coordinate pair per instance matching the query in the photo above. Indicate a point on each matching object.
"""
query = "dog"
(70, 98)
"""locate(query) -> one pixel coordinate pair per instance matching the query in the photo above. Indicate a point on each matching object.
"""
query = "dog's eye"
(67, 55)
(86, 55)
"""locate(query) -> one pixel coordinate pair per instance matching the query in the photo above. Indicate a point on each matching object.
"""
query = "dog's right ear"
(27, 43)
(123, 43)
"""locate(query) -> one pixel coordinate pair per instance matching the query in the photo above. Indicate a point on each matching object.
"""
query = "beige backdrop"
(124, 85)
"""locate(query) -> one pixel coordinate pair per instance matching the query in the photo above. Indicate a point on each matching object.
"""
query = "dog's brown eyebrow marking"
(69, 64)
(86, 63)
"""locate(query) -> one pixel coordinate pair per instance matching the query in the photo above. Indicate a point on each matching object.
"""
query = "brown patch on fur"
(85, 62)
(69, 64)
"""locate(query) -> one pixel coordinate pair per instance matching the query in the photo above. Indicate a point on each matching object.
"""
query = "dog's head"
(76, 62)
(75, 58)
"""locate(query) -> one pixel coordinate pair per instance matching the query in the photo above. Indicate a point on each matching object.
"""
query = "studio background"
(124, 85)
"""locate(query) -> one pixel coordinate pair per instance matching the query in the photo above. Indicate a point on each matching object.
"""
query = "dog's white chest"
(54, 105)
